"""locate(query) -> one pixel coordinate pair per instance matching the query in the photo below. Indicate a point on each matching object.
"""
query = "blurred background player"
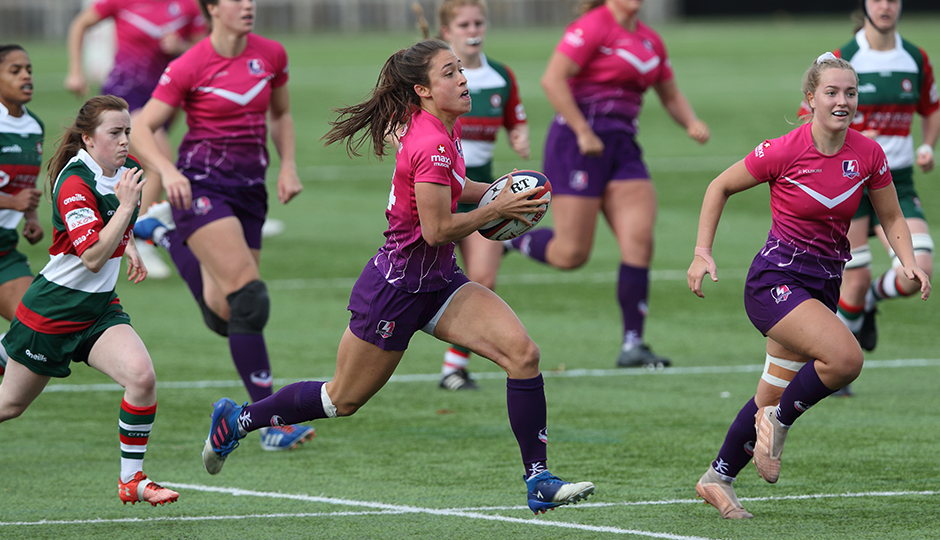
(496, 104)
(148, 34)
(71, 311)
(21, 136)
(413, 283)
(595, 80)
(895, 81)
(217, 187)
(816, 175)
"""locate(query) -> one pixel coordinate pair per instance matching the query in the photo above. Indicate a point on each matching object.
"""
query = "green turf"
(419, 462)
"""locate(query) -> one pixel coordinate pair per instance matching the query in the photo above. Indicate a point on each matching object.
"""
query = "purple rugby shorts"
(572, 173)
(386, 316)
(771, 292)
(212, 202)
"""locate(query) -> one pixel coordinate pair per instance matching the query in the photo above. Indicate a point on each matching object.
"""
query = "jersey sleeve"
(280, 66)
(513, 112)
(929, 98)
(430, 162)
(762, 163)
(174, 82)
(107, 9)
(881, 174)
(76, 204)
(580, 41)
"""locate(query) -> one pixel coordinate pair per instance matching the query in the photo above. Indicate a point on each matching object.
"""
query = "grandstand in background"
(49, 19)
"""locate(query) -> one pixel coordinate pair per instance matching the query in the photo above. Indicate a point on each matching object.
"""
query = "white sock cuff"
(328, 406)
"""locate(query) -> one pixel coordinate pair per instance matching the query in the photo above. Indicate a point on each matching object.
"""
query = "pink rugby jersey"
(226, 101)
(617, 66)
(139, 27)
(426, 153)
(813, 196)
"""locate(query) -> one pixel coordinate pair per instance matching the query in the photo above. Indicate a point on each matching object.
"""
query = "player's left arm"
(681, 110)
(32, 228)
(885, 202)
(282, 134)
(930, 129)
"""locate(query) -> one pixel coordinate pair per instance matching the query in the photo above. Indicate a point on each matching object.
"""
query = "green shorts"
(50, 354)
(483, 173)
(907, 197)
(14, 265)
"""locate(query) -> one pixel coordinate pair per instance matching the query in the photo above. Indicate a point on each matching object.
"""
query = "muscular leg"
(18, 389)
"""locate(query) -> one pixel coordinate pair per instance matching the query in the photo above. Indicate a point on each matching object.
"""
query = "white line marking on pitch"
(378, 509)
(434, 377)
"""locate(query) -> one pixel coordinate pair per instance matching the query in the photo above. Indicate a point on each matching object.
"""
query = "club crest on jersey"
(907, 85)
(458, 146)
(385, 329)
(780, 293)
(256, 67)
(173, 9)
(201, 206)
(496, 100)
(850, 168)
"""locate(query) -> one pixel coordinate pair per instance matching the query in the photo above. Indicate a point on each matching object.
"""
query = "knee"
(850, 365)
(250, 308)
(143, 381)
(213, 321)
(523, 359)
(10, 411)
(571, 259)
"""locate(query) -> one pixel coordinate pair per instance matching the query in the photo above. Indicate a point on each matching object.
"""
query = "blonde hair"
(824, 62)
(447, 9)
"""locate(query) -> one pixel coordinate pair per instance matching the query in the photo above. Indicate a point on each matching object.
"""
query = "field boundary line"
(434, 377)
(379, 509)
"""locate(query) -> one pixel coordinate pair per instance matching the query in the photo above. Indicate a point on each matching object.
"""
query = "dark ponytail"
(391, 103)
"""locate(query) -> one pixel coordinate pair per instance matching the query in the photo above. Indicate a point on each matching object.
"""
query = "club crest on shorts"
(385, 329)
(780, 293)
(850, 168)
(201, 206)
(579, 180)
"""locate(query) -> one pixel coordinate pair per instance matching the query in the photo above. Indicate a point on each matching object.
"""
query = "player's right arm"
(75, 79)
(734, 179)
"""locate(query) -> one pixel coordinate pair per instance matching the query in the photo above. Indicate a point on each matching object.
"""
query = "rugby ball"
(507, 229)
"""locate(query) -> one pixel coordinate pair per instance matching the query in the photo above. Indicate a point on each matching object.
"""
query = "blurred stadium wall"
(49, 19)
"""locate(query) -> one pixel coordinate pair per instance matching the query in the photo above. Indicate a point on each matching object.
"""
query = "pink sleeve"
(173, 85)
(107, 8)
(761, 163)
(429, 163)
(580, 41)
(280, 66)
(881, 177)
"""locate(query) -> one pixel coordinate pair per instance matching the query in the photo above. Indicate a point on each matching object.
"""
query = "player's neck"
(228, 44)
(825, 141)
(627, 19)
(472, 62)
(878, 40)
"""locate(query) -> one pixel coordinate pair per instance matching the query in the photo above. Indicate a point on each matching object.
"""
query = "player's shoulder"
(262, 43)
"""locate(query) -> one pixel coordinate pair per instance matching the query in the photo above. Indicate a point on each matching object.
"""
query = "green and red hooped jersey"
(20, 160)
(893, 86)
(496, 104)
(66, 296)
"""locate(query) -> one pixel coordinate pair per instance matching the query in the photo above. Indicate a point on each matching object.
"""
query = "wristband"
(925, 149)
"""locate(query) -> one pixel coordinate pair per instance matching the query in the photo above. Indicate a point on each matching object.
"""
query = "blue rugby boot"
(285, 437)
(223, 436)
(546, 491)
